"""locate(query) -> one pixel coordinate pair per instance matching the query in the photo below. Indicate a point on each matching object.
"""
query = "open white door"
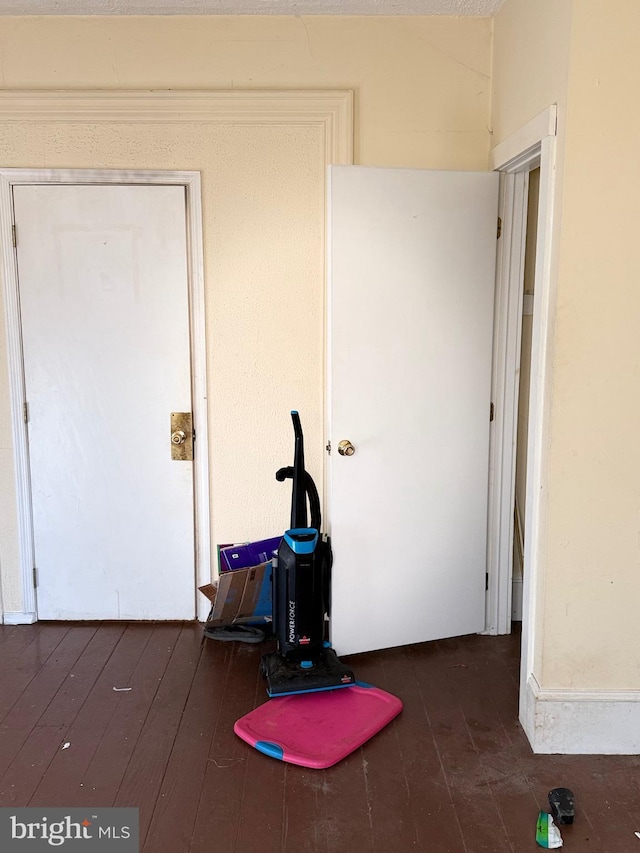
(104, 304)
(411, 285)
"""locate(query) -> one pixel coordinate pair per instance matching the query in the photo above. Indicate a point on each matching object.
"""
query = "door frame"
(533, 145)
(195, 273)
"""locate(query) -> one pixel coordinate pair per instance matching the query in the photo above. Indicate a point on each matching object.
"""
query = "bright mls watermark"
(103, 830)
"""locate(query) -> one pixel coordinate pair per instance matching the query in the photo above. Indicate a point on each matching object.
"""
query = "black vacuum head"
(326, 672)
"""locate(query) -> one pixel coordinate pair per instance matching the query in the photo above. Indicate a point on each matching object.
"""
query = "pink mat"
(318, 729)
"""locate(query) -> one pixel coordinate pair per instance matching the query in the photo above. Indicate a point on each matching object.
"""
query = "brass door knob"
(178, 437)
(345, 448)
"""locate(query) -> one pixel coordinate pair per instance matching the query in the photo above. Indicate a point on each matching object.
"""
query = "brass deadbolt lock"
(181, 436)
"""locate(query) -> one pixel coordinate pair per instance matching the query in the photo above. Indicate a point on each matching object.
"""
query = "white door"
(103, 294)
(411, 266)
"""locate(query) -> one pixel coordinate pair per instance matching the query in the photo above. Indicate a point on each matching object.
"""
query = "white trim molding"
(19, 618)
(191, 182)
(582, 722)
(532, 146)
(526, 150)
(9, 271)
(332, 109)
(508, 155)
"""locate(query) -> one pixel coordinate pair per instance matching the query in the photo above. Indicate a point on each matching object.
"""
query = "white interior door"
(104, 305)
(412, 263)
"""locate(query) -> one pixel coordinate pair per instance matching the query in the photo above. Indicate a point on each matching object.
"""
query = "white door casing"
(411, 284)
(105, 323)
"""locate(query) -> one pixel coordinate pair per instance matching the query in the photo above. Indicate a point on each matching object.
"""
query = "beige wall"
(422, 84)
(590, 611)
(530, 62)
(585, 57)
(422, 99)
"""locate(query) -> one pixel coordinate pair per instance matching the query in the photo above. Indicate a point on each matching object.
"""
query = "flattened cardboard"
(241, 596)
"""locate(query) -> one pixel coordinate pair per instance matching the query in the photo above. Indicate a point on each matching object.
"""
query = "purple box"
(234, 557)
(262, 550)
(249, 554)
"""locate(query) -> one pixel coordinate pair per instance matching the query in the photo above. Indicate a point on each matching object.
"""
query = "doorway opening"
(527, 166)
(524, 387)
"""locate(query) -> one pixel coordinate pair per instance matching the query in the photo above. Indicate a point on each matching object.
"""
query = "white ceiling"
(249, 7)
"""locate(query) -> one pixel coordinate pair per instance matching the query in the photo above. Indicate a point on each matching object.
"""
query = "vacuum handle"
(297, 426)
(310, 491)
(298, 498)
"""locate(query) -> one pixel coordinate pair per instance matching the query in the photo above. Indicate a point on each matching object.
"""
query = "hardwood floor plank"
(480, 679)
(6, 631)
(36, 696)
(176, 809)
(15, 638)
(25, 771)
(113, 747)
(53, 725)
(70, 697)
(220, 808)
(475, 809)
(383, 770)
(347, 805)
(141, 782)
(307, 825)
(261, 821)
(454, 772)
(429, 805)
(600, 785)
(18, 671)
(63, 781)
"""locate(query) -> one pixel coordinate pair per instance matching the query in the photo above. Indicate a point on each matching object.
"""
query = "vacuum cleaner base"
(286, 677)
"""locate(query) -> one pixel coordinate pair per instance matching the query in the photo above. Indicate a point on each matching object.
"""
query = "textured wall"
(584, 55)
(530, 62)
(422, 84)
(591, 626)
(422, 99)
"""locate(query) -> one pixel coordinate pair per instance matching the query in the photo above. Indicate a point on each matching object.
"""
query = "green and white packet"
(547, 833)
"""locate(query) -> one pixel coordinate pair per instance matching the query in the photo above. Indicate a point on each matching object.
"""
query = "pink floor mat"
(318, 729)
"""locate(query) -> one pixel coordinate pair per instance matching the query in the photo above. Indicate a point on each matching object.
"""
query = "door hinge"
(328, 448)
(492, 412)
(25, 412)
(35, 576)
(14, 237)
(486, 582)
(499, 228)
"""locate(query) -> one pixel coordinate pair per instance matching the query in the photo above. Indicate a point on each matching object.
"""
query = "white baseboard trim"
(581, 722)
(19, 618)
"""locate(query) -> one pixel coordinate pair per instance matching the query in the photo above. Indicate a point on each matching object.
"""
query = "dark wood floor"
(453, 772)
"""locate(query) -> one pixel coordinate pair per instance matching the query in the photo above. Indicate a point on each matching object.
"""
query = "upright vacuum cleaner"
(304, 662)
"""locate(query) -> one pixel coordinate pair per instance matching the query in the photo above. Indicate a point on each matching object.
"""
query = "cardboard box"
(242, 596)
